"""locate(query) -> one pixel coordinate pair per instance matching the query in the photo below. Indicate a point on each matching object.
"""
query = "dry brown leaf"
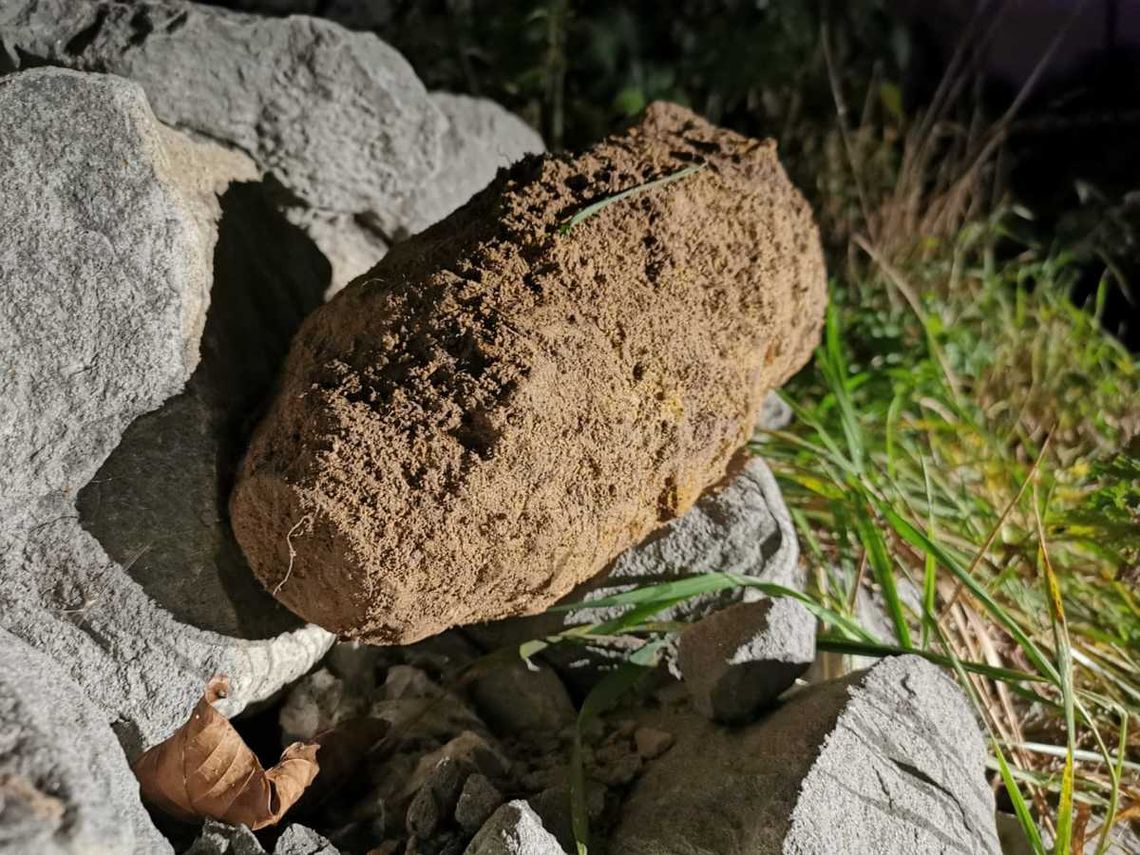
(205, 770)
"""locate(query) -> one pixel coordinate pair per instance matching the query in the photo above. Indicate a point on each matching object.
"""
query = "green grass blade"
(1063, 646)
(883, 570)
(1020, 808)
(919, 540)
(595, 207)
(603, 697)
(840, 644)
(665, 594)
(1116, 771)
(929, 567)
(833, 364)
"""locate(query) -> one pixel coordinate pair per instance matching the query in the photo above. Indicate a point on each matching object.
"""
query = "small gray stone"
(106, 268)
(470, 752)
(522, 697)
(1012, 836)
(477, 801)
(437, 796)
(424, 814)
(514, 829)
(356, 664)
(302, 840)
(736, 661)
(65, 787)
(316, 703)
(775, 413)
(651, 742)
(217, 838)
(552, 806)
(419, 708)
(338, 117)
(888, 761)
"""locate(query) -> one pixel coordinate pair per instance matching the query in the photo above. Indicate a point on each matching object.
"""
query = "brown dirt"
(497, 409)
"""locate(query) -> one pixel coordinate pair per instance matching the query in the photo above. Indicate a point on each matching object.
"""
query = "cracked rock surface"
(888, 760)
(107, 264)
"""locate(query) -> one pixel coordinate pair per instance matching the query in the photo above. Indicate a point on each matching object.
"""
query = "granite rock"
(65, 786)
(514, 829)
(339, 117)
(888, 761)
(109, 231)
(736, 661)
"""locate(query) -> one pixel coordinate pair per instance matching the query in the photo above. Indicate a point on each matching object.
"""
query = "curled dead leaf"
(205, 770)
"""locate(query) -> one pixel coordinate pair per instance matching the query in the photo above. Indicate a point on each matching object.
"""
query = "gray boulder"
(514, 829)
(338, 117)
(65, 786)
(106, 266)
(736, 661)
(888, 761)
(481, 137)
(157, 504)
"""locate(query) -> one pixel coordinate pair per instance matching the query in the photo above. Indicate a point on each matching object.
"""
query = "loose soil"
(501, 406)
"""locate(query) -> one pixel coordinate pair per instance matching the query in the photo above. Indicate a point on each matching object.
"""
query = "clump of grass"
(1009, 518)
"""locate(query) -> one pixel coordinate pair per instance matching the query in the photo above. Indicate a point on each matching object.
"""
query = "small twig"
(844, 131)
(997, 527)
(307, 518)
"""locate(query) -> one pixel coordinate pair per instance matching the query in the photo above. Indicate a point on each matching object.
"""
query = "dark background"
(1070, 158)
